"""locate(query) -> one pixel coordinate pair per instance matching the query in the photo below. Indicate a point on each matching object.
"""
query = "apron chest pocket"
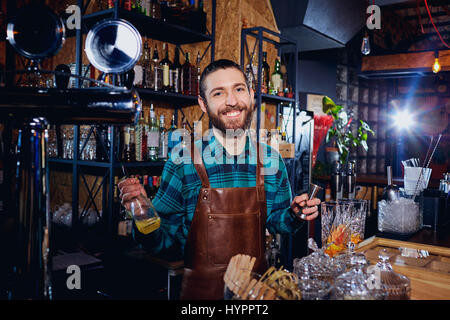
(232, 234)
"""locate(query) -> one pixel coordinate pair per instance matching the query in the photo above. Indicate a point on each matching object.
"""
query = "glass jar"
(395, 286)
(318, 266)
(354, 285)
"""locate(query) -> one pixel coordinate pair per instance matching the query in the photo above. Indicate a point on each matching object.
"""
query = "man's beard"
(233, 124)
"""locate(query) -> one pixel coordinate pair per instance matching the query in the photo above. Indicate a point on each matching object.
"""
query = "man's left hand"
(309, 208)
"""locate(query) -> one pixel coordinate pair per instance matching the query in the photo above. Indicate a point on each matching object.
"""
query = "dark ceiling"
(328, 24)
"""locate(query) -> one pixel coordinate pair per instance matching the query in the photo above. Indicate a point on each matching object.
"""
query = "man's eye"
(215, 94)
(240, 89)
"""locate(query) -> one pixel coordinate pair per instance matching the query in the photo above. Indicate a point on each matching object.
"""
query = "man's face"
(229, 102)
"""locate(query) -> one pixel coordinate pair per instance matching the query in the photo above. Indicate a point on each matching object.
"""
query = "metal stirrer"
(428, 163)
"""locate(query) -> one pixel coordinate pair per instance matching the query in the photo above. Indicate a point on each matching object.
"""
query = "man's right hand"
(130, 188)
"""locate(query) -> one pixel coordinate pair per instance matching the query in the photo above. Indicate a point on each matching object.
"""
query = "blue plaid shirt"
(180, 186)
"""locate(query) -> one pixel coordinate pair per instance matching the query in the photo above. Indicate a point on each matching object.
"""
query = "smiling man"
(212, 210)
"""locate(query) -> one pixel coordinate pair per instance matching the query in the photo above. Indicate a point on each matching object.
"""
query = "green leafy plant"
(340, 132)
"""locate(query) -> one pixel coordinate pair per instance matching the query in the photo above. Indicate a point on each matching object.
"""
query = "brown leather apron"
(226, 222)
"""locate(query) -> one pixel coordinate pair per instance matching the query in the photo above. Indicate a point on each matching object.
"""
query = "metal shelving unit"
(301, 125)
(262, 35)
(151, 28)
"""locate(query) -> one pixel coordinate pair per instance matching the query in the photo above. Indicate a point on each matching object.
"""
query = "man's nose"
(231, 99)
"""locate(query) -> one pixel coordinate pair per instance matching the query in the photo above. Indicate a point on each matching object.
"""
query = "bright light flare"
(403, 120)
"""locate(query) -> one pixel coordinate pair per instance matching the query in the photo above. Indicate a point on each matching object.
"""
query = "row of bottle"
(279, 136)
(343, 180)
(149, 140)
(188, 13)
(165, 75)
(275, 83)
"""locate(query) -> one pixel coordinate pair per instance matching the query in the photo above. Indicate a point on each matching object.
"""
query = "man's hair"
(214, 66)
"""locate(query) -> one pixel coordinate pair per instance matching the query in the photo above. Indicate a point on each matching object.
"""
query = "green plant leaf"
(327, 104)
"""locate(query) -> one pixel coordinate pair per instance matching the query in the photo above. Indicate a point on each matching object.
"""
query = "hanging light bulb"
(436, 65)
(365, 46)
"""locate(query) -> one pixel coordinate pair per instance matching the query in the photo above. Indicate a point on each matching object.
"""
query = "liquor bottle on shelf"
(178, 13)
(155, 9)
(153, 136)
(146, 5)
(175, 72)
(129, 148)
(102, 143)
(166, 65)
(276, 78)
(154, 187)
(163, 140)
(157, 70)
(148, 65)
(187, 74)
(141, 142)
(145, 184)
(251, 70)
(127, 4)
(265, 74)
(171, 140)
(111, 4)
(197, 75)
(284, 88)
(139, 72)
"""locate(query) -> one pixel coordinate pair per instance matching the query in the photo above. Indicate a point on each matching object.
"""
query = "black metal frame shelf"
(149, 27)
(176, 98)
(276, 99)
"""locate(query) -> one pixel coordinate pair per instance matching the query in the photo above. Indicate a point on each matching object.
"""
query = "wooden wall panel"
(405, 61)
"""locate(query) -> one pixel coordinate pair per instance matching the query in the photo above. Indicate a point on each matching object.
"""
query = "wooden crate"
(287, 150)
(430, 277)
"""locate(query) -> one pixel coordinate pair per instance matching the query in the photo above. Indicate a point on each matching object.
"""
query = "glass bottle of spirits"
(166, 65)
(175, 72)
(187, 72)
(138, 139)
(265, 74)
(197, 75)
(153, 136)
(277, 78)
(102, 143)
(148, 74)
(127, 4)
(157, 70)
(139, 72)
(163, 140)
(284, 88)
(155, 9)
(171, 139)
(129, 152)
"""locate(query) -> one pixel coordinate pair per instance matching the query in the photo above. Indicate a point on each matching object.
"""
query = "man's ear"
(201, 103)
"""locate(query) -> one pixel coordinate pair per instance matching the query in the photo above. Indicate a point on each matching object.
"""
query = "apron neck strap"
(198, 163)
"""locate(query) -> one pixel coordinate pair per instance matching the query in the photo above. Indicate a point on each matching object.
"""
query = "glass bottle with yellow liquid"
(143, 212)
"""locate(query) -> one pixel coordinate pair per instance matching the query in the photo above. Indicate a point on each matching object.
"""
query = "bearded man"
(221, 203)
